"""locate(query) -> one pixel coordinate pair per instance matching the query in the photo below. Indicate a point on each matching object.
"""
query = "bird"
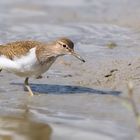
(31, 58)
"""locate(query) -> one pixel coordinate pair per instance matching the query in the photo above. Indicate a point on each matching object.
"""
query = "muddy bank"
(70, 99)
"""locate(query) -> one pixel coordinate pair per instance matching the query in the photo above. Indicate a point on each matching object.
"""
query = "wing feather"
(18, 48)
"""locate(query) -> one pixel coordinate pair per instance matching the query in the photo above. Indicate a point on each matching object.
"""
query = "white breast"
(24, 66)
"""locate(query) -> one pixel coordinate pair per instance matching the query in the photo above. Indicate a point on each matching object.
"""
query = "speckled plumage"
(18, 48)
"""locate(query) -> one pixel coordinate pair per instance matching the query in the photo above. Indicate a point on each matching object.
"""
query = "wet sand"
(73, 101)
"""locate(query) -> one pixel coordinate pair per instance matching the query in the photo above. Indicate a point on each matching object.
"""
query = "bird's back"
(18, 48)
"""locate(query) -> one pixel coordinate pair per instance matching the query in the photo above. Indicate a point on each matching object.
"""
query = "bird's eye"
(64, 46)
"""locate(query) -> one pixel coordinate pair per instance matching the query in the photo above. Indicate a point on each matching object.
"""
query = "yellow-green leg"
(26, 84)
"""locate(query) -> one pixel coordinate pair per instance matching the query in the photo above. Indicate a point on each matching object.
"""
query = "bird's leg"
(26, 84)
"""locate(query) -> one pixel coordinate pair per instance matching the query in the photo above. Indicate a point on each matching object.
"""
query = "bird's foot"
(39, 77)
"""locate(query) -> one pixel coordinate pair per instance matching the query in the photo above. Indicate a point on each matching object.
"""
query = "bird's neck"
(47, 53)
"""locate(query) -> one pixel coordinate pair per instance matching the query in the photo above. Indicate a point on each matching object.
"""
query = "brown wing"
(16, 49)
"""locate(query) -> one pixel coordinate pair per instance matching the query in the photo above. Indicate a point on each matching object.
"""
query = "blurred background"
(16, 12)
(28, 18)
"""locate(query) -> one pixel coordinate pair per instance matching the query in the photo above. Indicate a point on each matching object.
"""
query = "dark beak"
(78, 56)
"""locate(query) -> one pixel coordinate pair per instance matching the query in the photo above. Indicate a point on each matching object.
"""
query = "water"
(74, 101)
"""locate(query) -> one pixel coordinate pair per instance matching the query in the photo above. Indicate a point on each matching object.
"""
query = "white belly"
(25, 66)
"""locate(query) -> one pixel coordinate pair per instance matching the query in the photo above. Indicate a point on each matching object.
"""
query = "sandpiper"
(33, 58)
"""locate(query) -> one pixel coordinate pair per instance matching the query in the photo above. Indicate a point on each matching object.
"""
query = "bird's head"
(66, 47)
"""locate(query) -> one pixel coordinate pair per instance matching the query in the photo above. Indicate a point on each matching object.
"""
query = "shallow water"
(74, 101)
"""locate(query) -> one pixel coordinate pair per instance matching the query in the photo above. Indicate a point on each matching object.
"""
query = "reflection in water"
(67, 89)
(17, 128)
